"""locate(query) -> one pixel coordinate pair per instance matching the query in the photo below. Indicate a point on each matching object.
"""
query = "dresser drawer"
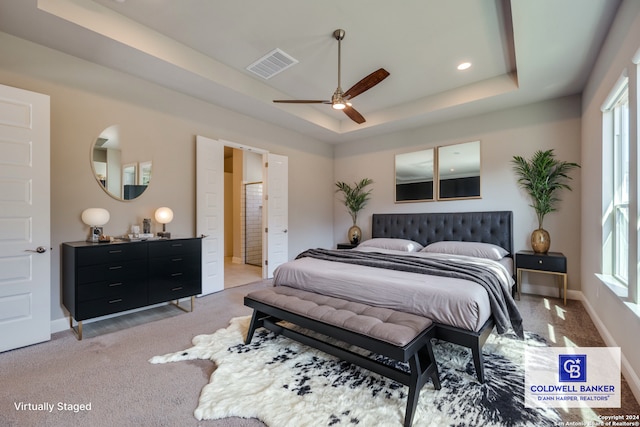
(187, 266)
(174, 247)
(116, 271)
(542, 262)
(109, 305)
(109, 253)
(169, 290)
(112, 288)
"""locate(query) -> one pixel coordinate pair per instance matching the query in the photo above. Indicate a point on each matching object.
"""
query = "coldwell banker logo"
(558, 377)
(572, 367)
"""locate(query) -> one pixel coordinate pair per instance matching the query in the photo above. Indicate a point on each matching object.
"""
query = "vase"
(354, 234)
(540, 241)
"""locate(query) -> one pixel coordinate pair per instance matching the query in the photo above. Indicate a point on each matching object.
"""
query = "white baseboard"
(59, 325)
(627, 371)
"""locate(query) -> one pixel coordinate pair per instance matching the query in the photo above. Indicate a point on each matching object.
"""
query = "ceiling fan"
(341, 100)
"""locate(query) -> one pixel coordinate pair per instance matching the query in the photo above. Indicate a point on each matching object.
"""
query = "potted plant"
(542, 177)
(355, 199)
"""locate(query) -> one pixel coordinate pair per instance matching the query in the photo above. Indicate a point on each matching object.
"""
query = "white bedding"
(456, 302)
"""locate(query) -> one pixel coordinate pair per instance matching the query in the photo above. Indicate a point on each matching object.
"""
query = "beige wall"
(618, 321)
(503, 134)
(162, 125)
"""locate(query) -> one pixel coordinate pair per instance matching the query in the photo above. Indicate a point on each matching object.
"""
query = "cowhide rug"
(284, 383)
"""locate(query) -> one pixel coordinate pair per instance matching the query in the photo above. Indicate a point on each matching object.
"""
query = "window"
(616, 125)
(621, 186)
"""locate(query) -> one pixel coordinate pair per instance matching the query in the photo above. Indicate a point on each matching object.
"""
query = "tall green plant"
(356, 197)
(542, 177)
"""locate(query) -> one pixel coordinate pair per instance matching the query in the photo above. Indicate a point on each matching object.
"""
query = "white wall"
(503, 134)
(616, 320)
(86, 98)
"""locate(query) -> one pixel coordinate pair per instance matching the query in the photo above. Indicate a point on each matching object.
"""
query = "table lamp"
(95, 218)
(164, 216)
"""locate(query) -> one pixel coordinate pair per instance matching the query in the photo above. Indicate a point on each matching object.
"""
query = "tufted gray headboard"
(488, 227)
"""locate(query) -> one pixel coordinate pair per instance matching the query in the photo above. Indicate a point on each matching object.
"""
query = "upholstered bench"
(397, 335)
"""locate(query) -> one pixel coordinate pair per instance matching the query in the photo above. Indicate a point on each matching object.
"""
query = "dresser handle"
(176, 259)
(115, 252)
(115, 301)
(115, 267)
(177, 289)
(176, 245)
(539, 261)
(112, 285)
(176, 274)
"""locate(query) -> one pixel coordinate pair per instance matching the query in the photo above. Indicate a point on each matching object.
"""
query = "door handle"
(204, 235)
(38, 250)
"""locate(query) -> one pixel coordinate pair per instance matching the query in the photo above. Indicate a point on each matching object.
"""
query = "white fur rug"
(284, 383)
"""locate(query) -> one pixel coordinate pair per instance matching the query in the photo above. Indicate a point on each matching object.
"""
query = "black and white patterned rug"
(284, 383)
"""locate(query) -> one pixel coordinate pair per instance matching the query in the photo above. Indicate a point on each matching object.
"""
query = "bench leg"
(435, 375)
(414, 391)
(257, 320)
(422, 365)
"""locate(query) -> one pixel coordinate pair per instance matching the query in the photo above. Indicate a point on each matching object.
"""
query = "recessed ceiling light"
(464, 66)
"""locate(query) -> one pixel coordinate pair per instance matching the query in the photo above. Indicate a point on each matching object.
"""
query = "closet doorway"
(243, 218)
(222, 240)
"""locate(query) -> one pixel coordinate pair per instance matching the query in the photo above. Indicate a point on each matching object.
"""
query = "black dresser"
(106, 278)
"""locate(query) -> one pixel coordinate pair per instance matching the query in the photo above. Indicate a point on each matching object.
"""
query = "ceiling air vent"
(272, 63)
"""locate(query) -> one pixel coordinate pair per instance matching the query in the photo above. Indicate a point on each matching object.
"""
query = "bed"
(464, 309)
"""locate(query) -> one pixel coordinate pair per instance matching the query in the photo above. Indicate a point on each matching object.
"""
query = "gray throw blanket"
(503, 307)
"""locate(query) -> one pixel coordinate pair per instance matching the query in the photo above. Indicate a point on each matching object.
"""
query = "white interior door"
(210, 211)
(277, 202)
(25, 288)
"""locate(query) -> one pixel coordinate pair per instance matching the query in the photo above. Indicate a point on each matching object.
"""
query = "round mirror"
(122, 176)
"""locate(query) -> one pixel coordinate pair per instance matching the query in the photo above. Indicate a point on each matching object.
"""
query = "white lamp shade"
(95, 216)
(164, 215)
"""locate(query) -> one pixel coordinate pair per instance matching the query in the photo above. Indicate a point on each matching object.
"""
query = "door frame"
(264, 154)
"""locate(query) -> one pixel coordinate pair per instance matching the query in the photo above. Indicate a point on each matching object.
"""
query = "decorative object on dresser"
(542, 177)
(104, 279)
(355, 199)
(551, 263)
(146, 226)
(95, 218)
(164, 216)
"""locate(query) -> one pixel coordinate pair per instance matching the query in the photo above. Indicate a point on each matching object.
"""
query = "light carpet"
(285, 383)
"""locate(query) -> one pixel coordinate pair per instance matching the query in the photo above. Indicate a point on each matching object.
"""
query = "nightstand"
(551, 263)
(346, 245)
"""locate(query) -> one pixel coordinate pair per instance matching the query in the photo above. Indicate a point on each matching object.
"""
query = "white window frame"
(616, 170)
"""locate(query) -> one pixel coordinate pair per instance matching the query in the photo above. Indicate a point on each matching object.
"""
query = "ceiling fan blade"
(301, 101)
(367, 83)
(354, 115)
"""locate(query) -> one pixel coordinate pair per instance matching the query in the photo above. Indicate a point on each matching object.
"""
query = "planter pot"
(354, 234)
(540, 241)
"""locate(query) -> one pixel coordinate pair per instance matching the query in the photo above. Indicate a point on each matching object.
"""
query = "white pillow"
(394, 244)
(474, 249)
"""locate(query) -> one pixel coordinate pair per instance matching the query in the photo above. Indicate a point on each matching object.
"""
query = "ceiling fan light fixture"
(337, 101)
